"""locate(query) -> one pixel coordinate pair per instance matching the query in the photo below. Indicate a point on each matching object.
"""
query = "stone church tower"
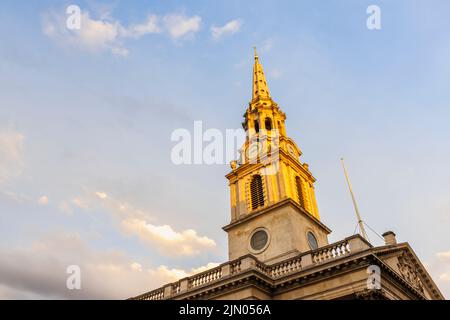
(278, 247)
(274, 212)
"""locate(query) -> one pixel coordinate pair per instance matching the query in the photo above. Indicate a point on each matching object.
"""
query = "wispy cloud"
(180, 26)
(94, 200)
(106, 34)
(42, 200)
(138, 30)
(136, 222)
(229, 28)
(39, 271)
(16, 197)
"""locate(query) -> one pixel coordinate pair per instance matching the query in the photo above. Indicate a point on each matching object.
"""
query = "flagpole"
(358, 216)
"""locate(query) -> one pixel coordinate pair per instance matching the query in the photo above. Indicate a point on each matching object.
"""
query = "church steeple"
(273, 203)
(262, 113)
(260, 88)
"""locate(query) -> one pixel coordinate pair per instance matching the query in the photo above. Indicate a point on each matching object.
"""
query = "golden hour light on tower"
(194, 151)
(276, 234)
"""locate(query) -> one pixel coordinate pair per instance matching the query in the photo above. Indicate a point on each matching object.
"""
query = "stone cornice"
(268, 209)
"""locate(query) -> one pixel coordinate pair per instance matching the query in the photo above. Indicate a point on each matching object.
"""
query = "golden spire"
(260, 89)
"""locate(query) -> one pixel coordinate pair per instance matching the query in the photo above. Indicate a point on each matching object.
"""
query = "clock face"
(252, 152)
(291, 150)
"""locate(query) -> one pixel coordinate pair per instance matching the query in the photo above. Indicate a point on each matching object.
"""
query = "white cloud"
(39, 271)
(181, 26)
(136, 266)
(97, 33)
(43, 200)
(11, 154)
(203, 268)
(94, 36)
(168, 241)
(177, 274)
(138, 30)
(101, 195)
(107, 34)
(231, 27)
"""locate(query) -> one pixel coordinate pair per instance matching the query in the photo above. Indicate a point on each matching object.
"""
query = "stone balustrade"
(157, 294)
(235, 266)
(205, 277)
(305, 260)
(285, 267)
(332, 251)
(176, 288)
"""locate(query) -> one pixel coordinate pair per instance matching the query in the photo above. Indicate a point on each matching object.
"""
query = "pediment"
(403, 260)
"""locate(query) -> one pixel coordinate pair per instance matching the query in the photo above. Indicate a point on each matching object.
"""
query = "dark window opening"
(256, 126)
(268, 124)
(257, 192)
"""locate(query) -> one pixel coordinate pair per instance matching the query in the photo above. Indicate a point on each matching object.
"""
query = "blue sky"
(85, 125)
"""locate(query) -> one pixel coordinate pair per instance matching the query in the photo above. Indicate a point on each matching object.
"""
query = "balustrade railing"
(176, 288)
(157, 294)
(235, 266)
(332, 251)
(277, 270)
(205, 277)
(286, 267)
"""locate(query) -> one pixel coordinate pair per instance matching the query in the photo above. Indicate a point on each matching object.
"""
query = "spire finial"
(260, 89)
(256, 53)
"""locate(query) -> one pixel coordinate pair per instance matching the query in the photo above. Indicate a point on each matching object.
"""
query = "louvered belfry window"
(268, 124)
(257, 192)
(298, 184)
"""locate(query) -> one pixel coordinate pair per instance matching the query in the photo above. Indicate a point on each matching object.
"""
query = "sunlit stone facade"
(278, 247)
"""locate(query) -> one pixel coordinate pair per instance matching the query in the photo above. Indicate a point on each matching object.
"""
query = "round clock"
(252, 151)
(291, 150)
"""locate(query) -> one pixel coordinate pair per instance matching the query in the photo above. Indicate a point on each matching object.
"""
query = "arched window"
(268, 124)
(257, 192)
(256, 126)
(298, 184)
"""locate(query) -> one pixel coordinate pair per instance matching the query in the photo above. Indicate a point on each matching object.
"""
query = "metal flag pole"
(358, 216)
